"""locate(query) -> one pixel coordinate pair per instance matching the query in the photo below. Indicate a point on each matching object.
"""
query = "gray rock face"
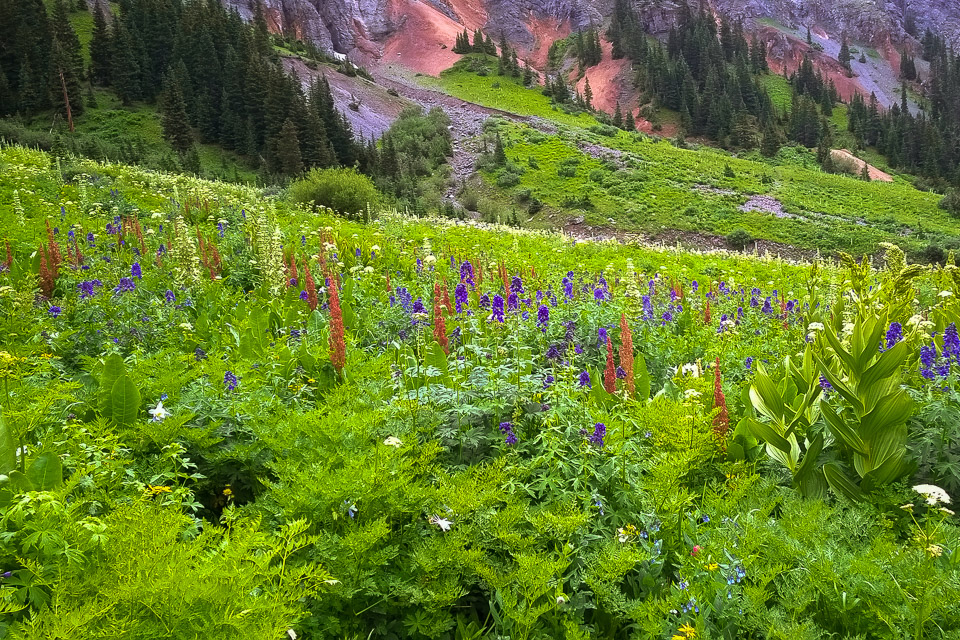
(361, 26)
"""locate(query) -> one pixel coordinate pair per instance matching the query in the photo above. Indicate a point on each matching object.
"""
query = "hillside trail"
(466, 119)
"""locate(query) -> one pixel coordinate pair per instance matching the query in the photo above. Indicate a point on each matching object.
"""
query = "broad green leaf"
(765, 432)
(843, 432)
(841, 484)
(641, 377)
(8, 448)
(839, 385)
(113, 369)
(435, 357)
(809, 463)
(766, 397)
(891, 410)
(839, 350)
(46, 472)
(124, 401)
(888, 363)
(20, 483)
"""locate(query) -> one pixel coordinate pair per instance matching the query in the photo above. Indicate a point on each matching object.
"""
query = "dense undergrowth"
(227, 417)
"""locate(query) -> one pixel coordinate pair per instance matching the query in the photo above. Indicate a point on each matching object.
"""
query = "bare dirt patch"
(844, 158)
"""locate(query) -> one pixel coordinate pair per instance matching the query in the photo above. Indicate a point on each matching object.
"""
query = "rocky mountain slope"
(378, 30)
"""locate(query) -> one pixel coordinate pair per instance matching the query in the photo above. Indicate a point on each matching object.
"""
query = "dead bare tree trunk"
(66, 101)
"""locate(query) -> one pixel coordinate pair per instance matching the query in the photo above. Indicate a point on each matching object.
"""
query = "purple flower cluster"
(230, 380)
(125, 284)
(507, 429)
(88, 288)
(497, 312)
(599, 432)
(543, 317)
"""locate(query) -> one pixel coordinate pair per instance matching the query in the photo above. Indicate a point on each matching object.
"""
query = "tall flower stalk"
(338, 348)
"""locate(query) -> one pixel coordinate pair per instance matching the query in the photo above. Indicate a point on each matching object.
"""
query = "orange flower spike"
(721, 423)
(610, 372)
(626, 353)
(338, 347)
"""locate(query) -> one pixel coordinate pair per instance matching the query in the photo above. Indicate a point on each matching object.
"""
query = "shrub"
(508, 179)
(739, 239)
(346, 191)
(951, 203)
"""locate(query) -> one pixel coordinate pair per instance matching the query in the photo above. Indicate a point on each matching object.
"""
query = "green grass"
(499, 92)
(656, 186)
(779, 90)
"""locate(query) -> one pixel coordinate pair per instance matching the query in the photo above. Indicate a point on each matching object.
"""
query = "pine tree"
(67, 61)
(288, 149)
(618, 116)
(126, 68)
(101, 48)
(588, 95)
(173, 116)
(865, 173)
(499, 154)
(629, 123)
(478, 46)
(844, 57)
(770, 144)
(489, 47)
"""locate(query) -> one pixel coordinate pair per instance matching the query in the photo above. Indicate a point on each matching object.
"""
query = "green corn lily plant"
(868, 412)
(786, 412)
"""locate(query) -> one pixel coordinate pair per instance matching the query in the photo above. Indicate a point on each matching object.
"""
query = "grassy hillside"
(646, 184)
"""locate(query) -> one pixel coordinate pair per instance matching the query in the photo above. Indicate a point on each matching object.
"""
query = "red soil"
(844, 158)
(545, 31)
(793, 56)
(609, 82)
(422, 31)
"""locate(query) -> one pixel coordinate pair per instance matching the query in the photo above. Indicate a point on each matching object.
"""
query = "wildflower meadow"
(226, 416)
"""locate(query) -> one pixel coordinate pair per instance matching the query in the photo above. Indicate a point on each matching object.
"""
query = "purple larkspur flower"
(304, 296)
(230, 380)
(516, 285)
(553, 352)
(460, 297)
(485, 301)
(125, 285)
(895, 334)
(513, 302)
(748, 362)
(543, 317)
(497, 312)
(466, 273)
(825, 384)
(585, 379)
(54, 311)
(951, 341)
(88, 288)
(599, 432)
(170, 296)
(418, 306)
(135, 271)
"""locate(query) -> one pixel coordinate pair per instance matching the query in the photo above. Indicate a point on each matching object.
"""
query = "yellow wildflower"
(155, 490)
(688, 631)
(713, 566)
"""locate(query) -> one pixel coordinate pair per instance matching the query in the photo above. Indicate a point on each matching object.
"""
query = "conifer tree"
(126, 68)
(499, 154)
(67, 62)
(844, 56)
(173, 116)
(588, 95)
(101, 48)
(618, 116)
(629, 122)
(288, 149)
